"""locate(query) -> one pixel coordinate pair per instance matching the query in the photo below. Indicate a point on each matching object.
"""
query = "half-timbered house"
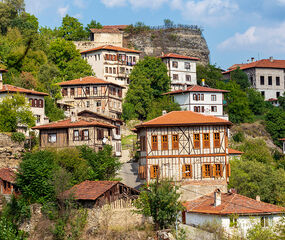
(75, 132)
(91, 93)
(187, 147)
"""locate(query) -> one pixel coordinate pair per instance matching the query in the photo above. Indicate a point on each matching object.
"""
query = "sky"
(235, 30)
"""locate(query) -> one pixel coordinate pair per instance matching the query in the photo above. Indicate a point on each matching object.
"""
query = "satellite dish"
(104, 140)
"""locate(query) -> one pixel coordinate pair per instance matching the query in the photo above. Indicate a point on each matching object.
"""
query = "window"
(218, 170)
(175, 64)
(187, 65)
(52, 137)
(269, 80)
(202, 97)
(154, 144)
(88, 104)
(98, 104)
(106, 69)
(263, 93)
(87, 89)
(206, 170)
(264, 221)
(206, 140)
(213, 108)
(38, 118)
(110, 70)
(277, 94)
(213, 97)
(142, 143)
(233, 221)
(31, 102)
(261, 80)
(95, 90)
(164, 142)
(198, 97)
(100, 134)
(188, 78)
(71, 91)
(216, 140)
(277, 81)
(175, 142)
(122, 70)
(154, 171)
(85, 135)
(196, 140)
(114, 70)
(40, 103)
(175, 76)
(64, 92)
(75, 135)
(187, 171)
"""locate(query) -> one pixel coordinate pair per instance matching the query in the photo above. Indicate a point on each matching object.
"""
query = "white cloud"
(269, 40)
(134, 3)
(206, 11)
(79, 3)
(62, 11)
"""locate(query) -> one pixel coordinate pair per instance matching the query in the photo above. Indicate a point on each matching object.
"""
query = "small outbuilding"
(7, 182)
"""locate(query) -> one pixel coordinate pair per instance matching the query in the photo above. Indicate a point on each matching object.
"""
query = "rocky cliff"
(187, 42)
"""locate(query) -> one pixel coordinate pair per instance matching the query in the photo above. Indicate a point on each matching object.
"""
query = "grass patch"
(127, 141)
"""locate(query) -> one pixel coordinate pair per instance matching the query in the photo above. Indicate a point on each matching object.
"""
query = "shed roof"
(8, 174)
(233, 151)
(7, 88)
(111, 48)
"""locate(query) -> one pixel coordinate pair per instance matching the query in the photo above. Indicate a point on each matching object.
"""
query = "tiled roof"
(184, 118)
(196, 88)
(264, 63)
(13, 89)
(120, 27)
(3, 70)
(86, 81)
(282, 139)
(272, 99)
(68, 124)
(233, 151)
(105, 30)
(111, 48)
(174, 55)
(99, 115)
(232, 203)
(8, 174)
(90, 190)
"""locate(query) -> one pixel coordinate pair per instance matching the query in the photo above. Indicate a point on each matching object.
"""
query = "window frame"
(217, 139)
(154, 144)
(76, 138)
(262, 80)
(174, 64)
(164, 142)
(175, 141)
(186, 174)
(154, 171)
(50, 137)
(85, 137)
(195, 140)
(206, 142)
(218, 170)
(206, 170)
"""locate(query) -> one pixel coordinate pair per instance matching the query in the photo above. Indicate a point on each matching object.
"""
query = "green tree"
(256, 101)
(71, 29)
(281, 101)
(275, 124)
(210, 73)
(93, 24)
(165, 103)
(52, 111)
(103, 163)
(168, 23)
(160, 201)
(15, 110)
(149, 79)
(26, 23)
(240, 78)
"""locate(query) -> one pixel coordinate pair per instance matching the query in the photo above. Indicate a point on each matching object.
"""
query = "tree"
(256, 101)
(52, 111)
(275, 124)
(15, 110)
(281, 101)
(160, 201)
(93, 24)
(27, 23)
(26, 80)
(240, 78)
(71, 29)
(210, 73)
(103, 163)
(149, 79)
(165, 103)
(168, 23)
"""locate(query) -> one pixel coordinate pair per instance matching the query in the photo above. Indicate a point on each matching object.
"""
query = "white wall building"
(266, 75)
(112, 63)
(181, 70)
(283, 141)
(208, 101)
(236, 213)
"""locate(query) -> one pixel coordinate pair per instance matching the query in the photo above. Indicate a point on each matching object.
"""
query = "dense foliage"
(210, 73)
(160, 201)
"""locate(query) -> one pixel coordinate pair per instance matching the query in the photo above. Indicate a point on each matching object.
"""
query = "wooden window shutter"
(151, 172)
(190, 171)
(203, 171)
(228, 169)
(214, 170)
(183, 171)
(221, 170)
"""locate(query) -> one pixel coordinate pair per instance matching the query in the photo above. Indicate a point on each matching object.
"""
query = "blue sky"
(235, 30)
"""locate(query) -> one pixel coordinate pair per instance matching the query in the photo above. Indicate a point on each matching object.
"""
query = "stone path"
(129, 174)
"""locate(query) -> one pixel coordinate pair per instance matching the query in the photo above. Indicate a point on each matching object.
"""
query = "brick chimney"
(217, 197)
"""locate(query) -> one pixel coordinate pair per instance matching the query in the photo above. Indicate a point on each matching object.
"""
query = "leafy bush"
(239, 137)
(9, 231)
(18, 137)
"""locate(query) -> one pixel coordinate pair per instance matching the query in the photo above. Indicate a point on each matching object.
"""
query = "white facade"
(182, 72)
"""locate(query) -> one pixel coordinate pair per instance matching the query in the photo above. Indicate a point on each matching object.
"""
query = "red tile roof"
(174, 55)
(13, 89)
(120, 27)
(196, 88)
(3, 70)
(264, 63)
(99, 115)
(282, 139)
(86, 81)
(105, 30)
(8, 174)
(233, 151)
(111, 48)
(68, 124)
(272, 99)
(184, 118)
(232, 203)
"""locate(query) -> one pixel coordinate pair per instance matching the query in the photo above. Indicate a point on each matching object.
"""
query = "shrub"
(238, 137)
(18, 137)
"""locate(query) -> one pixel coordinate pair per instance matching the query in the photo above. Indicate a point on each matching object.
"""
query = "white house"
(205, 100)
(283, 141)
(236, 213)
(181, 70)
(35, 98)
(112, 63)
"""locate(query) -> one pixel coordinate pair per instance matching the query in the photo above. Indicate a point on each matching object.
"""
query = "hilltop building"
(266, 76)
(112, 63)
(35, 98)
(181, 70)
(187, 147)
(93, 94)
(204, 100)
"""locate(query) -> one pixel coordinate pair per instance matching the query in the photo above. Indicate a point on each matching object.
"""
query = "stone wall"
(10, 152)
